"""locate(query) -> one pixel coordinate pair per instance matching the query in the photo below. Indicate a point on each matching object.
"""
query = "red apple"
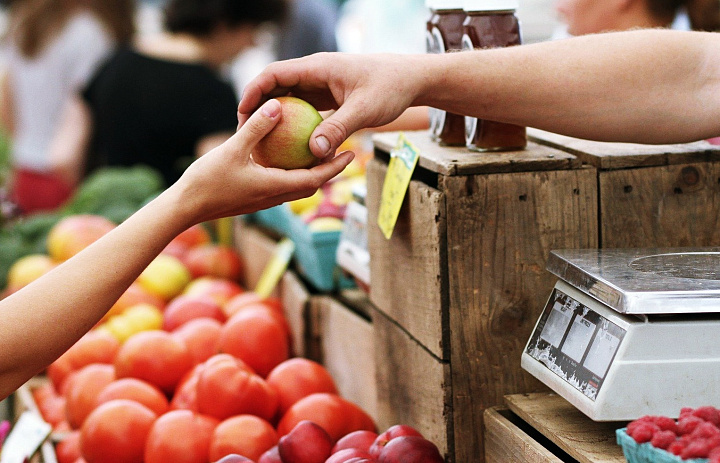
(361, 440)
(410, 449)
(343, 456)
(233, 458)
(271, 456)
(287, 144)
(391, 433)
(306, 443)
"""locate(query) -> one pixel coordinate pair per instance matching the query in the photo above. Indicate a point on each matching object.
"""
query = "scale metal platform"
(630, 332)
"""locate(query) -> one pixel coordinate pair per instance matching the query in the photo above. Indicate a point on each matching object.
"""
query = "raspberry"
(666, 424)
(708, 413)
(687, 424)
(677, 447)
(714, 452)
(697, 448)
(663, 439)
(644, 432)
(705, 430)
(643, 420)
(686, 411)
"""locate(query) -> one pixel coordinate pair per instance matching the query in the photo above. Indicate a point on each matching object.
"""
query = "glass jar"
(445, 33)
(491, 24)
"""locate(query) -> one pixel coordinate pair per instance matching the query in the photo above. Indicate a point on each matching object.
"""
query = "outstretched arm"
(645, 86)
(42, 320)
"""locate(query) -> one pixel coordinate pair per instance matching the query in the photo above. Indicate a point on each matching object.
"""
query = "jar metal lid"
(490, 5)
(444, 4)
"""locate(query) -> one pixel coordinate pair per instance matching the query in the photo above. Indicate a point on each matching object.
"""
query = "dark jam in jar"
(492, 24)
(445, 30)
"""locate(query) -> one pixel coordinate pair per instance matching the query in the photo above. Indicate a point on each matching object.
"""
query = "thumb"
(259, 124)
(334, 130)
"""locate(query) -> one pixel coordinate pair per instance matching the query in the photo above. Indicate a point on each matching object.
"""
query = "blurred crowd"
(91, 83)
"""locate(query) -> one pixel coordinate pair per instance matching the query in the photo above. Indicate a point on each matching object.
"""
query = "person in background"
(51, 49)
(70, 299)
(582, 17)
(163, 101)
(641, 86)
(309, 28)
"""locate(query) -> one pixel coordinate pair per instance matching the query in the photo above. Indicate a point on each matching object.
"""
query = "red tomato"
(116, 432)
(227, 387)
(94, 347)
(184, 308)
(333, 413)
(156, 357)
(180, 436)
(299, 377)
(68, 449)
(185, 396)
(246, 435)
(258, 338)
(83, 389)
(200, 337)
(137, 390)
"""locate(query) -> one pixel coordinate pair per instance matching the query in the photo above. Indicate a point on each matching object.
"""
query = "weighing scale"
(630, 332)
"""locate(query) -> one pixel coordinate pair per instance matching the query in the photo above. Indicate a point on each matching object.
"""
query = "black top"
(151, 111)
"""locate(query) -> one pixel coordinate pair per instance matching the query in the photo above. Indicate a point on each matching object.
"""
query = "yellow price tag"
(275, 268)
(403, 159)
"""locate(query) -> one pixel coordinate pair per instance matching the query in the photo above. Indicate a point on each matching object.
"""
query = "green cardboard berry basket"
(646, 453)
(315, 251)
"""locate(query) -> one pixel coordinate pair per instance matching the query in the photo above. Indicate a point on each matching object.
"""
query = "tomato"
(256, 337)
(68, 449)
(246, 435)
(299, 377)
(94, 347)
(156, 357)
(116, 432)
(185, 396)
(134, 295)
(50, 404)
(184, 308)
(335, 414)
(83, 388)
(227, 387)
(180, 436)
(250, 298)
(200, 336)
(216, 261)
(137, 390)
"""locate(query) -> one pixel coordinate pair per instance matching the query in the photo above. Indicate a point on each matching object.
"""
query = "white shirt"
(41, 85)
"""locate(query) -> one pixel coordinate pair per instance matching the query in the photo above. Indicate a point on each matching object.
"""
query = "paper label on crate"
(275, 268)
(28, 434)
(403, 159)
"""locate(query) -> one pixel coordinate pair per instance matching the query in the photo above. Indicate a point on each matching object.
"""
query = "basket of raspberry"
(693, 438)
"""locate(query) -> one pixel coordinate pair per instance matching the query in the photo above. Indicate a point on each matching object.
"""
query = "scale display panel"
(575, 342)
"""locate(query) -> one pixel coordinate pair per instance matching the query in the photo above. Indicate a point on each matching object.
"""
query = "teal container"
(646, 453)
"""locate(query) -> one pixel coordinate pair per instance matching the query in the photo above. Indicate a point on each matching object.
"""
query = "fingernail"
(271, 108)
(323, 143)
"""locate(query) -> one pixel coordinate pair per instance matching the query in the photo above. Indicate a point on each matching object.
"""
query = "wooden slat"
(295, 298)
(408, 272)
(555, 418)
(605, 155)
(347, 349)
(461, 161)
(413, 385)
(503, 229)
(666, 206)
(505, 442)
(256, 248)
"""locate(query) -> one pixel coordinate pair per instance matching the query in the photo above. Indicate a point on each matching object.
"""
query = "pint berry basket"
(646, 453)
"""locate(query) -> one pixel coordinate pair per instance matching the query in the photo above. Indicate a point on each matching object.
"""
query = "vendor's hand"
(366, 90)
(227, 182)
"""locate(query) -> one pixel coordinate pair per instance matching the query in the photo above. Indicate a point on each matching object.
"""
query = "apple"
(391, 433)
(74, 233)
(307, 442)
(410, 449)
(234, 458)
(271, 456)
(287, 144)
(344, 455)
(27, 269)
(220, 289)
(361, 440)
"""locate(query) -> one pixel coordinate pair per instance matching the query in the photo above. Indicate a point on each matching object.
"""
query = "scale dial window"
(575, 342)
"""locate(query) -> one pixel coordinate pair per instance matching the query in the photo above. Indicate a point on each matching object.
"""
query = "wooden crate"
(23, 401)
(463, 275)
(544, 427)
(651, 195)
(342, 339)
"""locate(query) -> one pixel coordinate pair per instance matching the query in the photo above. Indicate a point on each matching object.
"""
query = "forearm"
(643, 86)
(44, 319)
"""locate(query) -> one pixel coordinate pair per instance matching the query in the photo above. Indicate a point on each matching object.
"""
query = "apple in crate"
(287, 144)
